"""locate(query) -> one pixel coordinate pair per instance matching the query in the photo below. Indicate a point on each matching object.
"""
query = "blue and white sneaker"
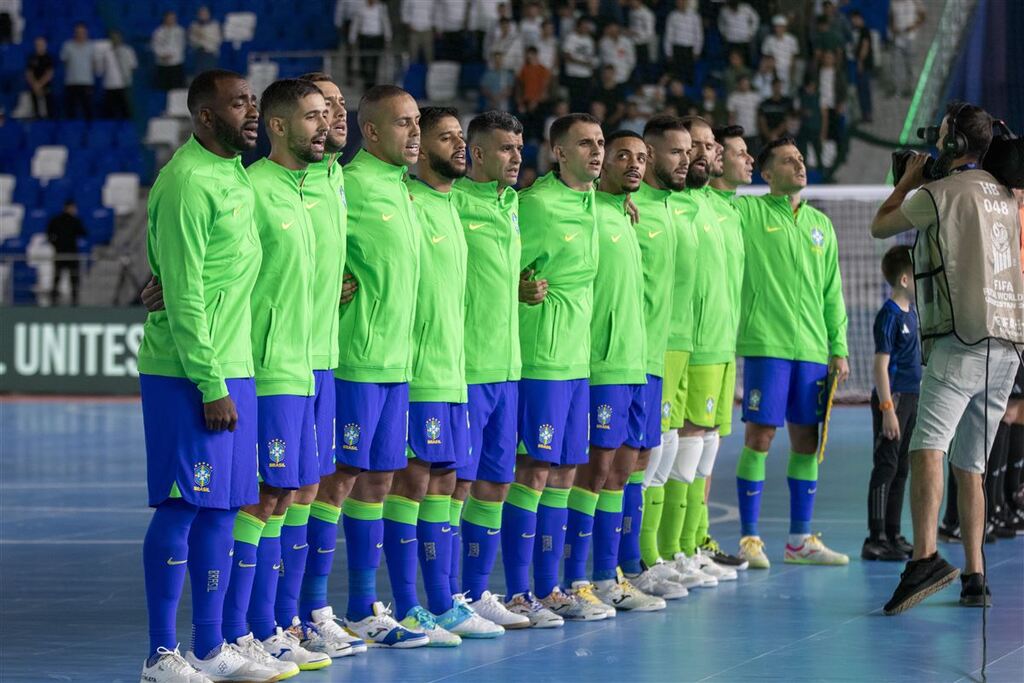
(381, 630)
(324, 634)
(419, 619)
(463, 621)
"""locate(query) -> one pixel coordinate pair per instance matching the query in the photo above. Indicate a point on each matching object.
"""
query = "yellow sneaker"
(752, 550)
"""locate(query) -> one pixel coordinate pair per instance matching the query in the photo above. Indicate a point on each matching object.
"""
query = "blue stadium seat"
(100, 135)
(13, 246)
(11, 136)
(24, 282)
(40, 133)
(26, 192)
(470, 75)
(415, 81)
(55, 193)
(99, 223)
(35, 221)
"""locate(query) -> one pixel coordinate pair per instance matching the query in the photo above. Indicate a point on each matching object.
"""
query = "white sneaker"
(170, 667)
(527, 605)
(813, 551)
(621, 594)
(253, 650)
(491, 608)
(419, 619)
(655, 583)
(573, 607)
(693, 577)
(325, 634)
(381, 630)
(709, 566)
(584, 590)
(286, 646)
(226, 663)
(465, 622)
(752, 550)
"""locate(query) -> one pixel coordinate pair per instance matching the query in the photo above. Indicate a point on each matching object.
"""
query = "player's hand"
(841, 368)
(531, 291)
(890, 425)
(349, 287)
(913, 177)
(220, 415)
(153, 295)
(631, 210)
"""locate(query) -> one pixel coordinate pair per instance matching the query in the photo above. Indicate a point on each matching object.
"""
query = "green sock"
(702, 528)
(672, 518)
(654, 503)
(694, 514)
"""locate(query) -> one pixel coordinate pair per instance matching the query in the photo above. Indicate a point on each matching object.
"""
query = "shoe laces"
(751, 545)
(233, 654)
(557, 597)
(253, 649)
(711, 545)
(814, 541)
(173, 661)
(425, 618)
(586, 593)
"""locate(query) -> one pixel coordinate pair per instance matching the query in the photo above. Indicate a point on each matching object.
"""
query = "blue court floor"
(73, 514)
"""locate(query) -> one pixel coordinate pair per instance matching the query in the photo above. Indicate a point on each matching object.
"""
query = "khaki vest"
(967, 267)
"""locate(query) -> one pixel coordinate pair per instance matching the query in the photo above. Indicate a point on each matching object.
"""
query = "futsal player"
(792, 337)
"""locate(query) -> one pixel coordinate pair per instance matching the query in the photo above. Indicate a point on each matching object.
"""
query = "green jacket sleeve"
(835, 307)
(184, 234)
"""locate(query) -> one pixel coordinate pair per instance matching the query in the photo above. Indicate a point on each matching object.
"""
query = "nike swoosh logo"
(277, 567)
(386, 216)
(584, 535)
(679, 212)
(246, 565)
(615, 240)
(299, 547)
(652, 235)
(445, 529)
(618, 529)
(812, 491)
(753, 493)
(285, 226)
(403, 541)
(437, 240)
(173, 562)
(476, 226)
(771, 228)
(493, 532)
(570, 238)
(312, 204)
(528, 535)
(380, 545)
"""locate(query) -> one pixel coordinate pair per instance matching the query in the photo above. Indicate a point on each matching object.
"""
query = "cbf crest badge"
(817, 237)
(604, 416)
(350, 436)
(202, 473)
(709, 405)
(666, 409)
(545, 434)
(433, 426)
(275, 450)
(754, 402)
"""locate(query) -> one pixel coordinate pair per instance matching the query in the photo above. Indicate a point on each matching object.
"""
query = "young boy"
(897, 375)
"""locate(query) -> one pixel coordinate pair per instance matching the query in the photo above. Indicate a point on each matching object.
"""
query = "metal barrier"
(104, 279)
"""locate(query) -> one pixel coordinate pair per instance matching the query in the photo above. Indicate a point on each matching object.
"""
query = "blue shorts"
(286, 448)
(553, 420)
(652, 414)
(184, 459)
(617, 415)
(439, 433)
(492, 433)
(323, 420)
(374, 424)
(776, 391)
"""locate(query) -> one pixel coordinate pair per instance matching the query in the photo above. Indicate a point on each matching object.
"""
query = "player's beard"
(667, 180)
(444, 167)
(230, 137)
(698, 176)
(303, 150)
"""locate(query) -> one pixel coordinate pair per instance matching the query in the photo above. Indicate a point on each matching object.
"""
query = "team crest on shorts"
(545, 434)
(709, 405)
(818, 237)
(350, 435)
(604, 416)
(275, 449)
(666, 409)
(202, 473)
(754, 403)
(433, 431)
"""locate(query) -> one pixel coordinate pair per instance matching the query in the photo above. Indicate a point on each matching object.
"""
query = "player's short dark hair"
(493, 120)
(690, 121)
(560, 127)
(621, 134)
(896, 263)
(376, 95)
(723, 133)
(317, 77)
(765, 155)
(282, 95)
(661, 124)
(974, 123)
(430, 117)
(203, 87)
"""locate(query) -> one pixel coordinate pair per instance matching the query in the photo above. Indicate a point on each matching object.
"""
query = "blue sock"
(632, 517)
(607, 530)
(164, 559)
(481, 530)
(209, 567)
(518, 532)
(455, 520)
(750, 471)
(264, 583)
(400, 550)
(802, 474)
(322, 534)
(578, 536)
(247, 532)
(433, 528)
(294, 550)
(364, 538)
(552, 518)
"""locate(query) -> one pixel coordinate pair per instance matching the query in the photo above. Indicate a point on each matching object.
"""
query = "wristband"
(887, 405)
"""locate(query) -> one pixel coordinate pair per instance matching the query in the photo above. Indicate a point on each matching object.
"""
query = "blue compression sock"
(209, 567)
(247, 532)
(322, 534)
(400, 550)
(578, 536)
(802, 474)
(294, 550)
(552, 518)
(164, 558)
(433, 528)
(607, 528)
(518, 532)
(632, 517)
(364, 539)
(264, 584)
(750, 470)
(481, 530)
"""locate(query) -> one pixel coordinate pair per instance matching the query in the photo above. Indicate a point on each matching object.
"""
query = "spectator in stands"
(784, 47)
(418, 19)
(736, 70)
(677, 99)
(773, 112)
(838, 23)
(738, 23)
(684, 40)
(567, 18)
(864, 59)
(634, 120)
(79, 57)
(809, 137)
(711, 106)
(611, 94)
(116, 65)
(905, 17)
(617, 50)
(63, 232)
(742, 105)
(371, 33)
(532, 87)
(483, 17)
(532, 24)
(600, 112)
(497, 84)
(579, 57)
(825, 38)
(832, 97)
(764, 76)
(204, 37)
(39, 76)
(641, 29)
(547, 47)
(504, 38)
(451, 23)
(169, 49)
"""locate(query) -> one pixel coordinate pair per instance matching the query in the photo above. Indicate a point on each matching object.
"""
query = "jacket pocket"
(750, 314)
(607, 350)
(268, 342)
(213, 317)
(419, 350)
(370, 327)
(551, 330)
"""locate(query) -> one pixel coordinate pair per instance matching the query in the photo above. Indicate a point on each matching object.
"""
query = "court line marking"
(999, 659)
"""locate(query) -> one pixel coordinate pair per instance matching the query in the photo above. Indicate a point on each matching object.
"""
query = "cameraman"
(969, 296)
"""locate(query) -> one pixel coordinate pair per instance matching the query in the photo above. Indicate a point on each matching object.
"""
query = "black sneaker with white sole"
(920, 579)
(974, 591)
(720, 557)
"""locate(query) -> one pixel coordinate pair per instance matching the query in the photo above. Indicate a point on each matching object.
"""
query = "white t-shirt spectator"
(684, 29)
(418, 14)
(345, 10)
(785, 50)
(510, 46)
(169, 45)
(641, 25)
(738, 25)
(483, 14)
(904, 15)
(450, 16)
(547, 53)
(372, 21)
(621, 54)
(205, 37)
(827, 87)
(743, 106)
(79, 62)
(116, 65)
(530, 30)
(583, 53)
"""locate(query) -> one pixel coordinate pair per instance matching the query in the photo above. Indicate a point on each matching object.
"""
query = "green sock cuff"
(654, 494)
(636, 478)
(750, 466)
(483, 513)
(297, 515)
(325, 512)
(555, 498)
(357, 509)
(580, 500)
(248, 528)
(610, 501)
(523, 497)
(435, 508)
(401, 510)
(273, 527)
(455, 512)
(802, 466)
(676, 490)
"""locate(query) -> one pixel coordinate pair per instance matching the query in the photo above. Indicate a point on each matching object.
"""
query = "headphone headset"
(955, 145)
